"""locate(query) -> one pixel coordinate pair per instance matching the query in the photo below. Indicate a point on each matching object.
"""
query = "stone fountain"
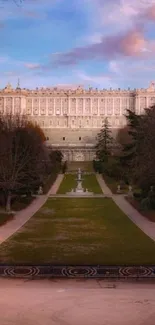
(79, 190)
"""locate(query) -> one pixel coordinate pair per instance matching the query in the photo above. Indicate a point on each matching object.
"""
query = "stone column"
(113, 106)
(39, 106)
(4, 105)
(105, 106)
(98, 113)
(84, 107)
(54, 107)
(13, 103)
(32, 106)
(137, 105)
(91, 106)
(46, 111)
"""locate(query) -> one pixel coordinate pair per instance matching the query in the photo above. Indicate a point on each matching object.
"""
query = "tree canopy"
(138, 155)
(21, 154)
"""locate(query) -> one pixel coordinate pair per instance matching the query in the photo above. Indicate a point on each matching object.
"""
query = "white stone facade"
(72, 118)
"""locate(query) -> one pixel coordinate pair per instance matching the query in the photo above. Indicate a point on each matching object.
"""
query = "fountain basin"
(80, 193)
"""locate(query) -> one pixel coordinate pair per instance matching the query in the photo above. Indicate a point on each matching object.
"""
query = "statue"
(130, 193)
(151, 86)
(118, 188)
(40, 191)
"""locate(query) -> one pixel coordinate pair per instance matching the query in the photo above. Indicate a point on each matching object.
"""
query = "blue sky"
(98, 43)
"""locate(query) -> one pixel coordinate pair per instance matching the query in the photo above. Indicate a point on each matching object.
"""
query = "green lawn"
(89, 181)
(68, 183)
(79, 231)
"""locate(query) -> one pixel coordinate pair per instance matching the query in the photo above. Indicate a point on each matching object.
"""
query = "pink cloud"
(129, 44)
(32, 66)
(150, 13)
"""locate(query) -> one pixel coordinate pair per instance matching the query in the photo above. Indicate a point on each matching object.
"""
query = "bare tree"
(21, 153)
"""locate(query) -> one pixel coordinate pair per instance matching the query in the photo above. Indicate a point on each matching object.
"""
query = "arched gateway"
(79, 156)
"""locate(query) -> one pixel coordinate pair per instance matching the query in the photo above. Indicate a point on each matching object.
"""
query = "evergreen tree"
(130, 150)
(104, 142)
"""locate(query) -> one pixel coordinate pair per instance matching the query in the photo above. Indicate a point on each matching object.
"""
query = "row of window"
(73, 100)
(47, 138)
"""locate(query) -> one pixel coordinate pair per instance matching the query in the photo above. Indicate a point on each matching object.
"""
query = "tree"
(104, 143)
(21, 153)
(56, 158)
(128, 138)
(146, 150)
(138, 156)
(123, 137)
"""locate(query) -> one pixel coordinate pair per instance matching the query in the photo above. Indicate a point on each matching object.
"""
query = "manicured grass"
(89, 181)
(84, 165)
(79, 231)
(69, 182)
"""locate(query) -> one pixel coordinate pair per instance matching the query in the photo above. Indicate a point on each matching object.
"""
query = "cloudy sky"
(98, 43)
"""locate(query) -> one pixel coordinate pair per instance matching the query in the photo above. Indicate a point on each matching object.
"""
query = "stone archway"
(79, 156)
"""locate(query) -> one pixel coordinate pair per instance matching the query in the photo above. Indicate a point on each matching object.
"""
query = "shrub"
(137, 195)
(145, 204)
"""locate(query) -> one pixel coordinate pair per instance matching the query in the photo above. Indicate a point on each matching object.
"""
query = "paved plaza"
(76, 302)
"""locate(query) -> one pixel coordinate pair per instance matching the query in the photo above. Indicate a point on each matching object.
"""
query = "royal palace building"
(72, 118)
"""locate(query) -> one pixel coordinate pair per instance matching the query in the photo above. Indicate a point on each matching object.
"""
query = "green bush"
(145, 204)
(148, 202)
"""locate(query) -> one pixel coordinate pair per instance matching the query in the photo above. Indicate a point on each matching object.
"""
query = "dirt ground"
(76, 302)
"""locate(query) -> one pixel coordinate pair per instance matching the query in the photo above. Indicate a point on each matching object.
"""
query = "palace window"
(47, 138)
(79, 138)
(63, 138)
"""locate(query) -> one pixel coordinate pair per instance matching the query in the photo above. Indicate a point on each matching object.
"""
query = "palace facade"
(72, 118)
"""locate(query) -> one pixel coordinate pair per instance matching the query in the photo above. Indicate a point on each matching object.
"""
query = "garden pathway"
(143, 223)
(105, 189)
(24, 215)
